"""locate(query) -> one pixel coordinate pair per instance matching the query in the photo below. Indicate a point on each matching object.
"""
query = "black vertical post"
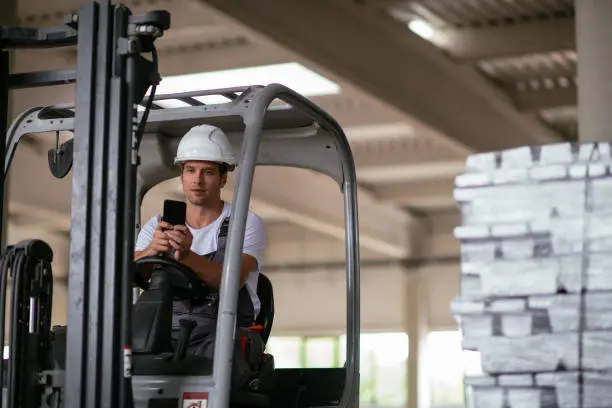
(129, 165)
(119, 240)
(102, 168)
(80, 329)
(4, 108)
(102, 249)
(8, 16)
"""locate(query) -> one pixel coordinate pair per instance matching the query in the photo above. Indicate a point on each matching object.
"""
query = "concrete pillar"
(594, 44)
(416, 328)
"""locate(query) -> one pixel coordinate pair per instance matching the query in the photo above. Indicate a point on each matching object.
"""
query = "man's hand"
(180, 239)
(160, 242)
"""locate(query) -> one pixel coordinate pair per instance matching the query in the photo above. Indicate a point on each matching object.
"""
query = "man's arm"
(145, 252)
(210, 272)
(253, 250)
(145, 238)
(150, 241)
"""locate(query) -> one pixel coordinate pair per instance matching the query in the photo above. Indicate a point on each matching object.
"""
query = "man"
(205, 157)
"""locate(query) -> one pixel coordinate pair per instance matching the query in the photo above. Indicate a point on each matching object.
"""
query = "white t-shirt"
(205, 242)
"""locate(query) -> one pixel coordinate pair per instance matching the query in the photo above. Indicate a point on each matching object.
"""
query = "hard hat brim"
(180, 160)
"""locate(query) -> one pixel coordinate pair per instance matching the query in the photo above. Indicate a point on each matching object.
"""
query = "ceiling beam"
(206, 47)
(401, 173)
(425, 194)
(533, 101)
(377, 131)
(352, 40)
(470, 45)
(37, 215)
(183, 12)
(353, 108)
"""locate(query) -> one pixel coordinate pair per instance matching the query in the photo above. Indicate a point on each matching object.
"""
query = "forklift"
(114, 350)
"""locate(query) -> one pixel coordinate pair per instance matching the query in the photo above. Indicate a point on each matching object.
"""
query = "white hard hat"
(205, 142)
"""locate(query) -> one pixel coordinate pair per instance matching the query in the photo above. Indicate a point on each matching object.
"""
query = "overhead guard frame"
(296, 133)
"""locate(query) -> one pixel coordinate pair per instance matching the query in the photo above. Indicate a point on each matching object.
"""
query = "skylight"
(421, 28)
(291, 74)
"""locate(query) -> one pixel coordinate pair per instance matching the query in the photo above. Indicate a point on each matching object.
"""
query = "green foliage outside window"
(384, 376)
(383, 380)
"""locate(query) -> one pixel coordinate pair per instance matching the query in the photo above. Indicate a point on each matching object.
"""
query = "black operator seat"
(265, 293)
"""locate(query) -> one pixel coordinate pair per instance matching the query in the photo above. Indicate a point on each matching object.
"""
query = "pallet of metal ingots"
(536, 284)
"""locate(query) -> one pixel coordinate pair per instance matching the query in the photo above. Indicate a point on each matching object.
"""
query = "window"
(286, 350)
(322, 352)
(383, 358)
(290, 74)
(447, 364)
(384, 369)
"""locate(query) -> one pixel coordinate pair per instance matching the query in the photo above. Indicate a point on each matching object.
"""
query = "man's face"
(202, 181)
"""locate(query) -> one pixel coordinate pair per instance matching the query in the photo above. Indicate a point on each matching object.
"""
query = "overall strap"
(222, 237)
(245, 304)
(218, 255)
(205, 310)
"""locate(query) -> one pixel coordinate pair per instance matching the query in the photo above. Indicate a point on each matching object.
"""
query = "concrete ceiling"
(493, 75)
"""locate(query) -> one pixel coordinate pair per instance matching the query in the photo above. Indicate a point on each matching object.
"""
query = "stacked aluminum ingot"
(536, 276)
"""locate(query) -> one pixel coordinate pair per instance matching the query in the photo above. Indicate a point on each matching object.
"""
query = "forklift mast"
(112, 76)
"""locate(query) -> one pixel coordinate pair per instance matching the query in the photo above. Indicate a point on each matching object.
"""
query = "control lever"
(187, 327)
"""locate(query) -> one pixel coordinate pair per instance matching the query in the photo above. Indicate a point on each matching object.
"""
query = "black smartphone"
(174, 212)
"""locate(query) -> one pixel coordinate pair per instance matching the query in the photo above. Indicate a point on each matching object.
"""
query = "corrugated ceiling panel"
(533, 71)
(402, 150)
(523, 73)
(460, 13)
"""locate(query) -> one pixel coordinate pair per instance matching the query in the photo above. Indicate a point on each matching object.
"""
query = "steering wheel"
(183, 281)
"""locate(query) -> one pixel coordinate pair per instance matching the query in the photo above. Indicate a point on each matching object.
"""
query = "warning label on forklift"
(195, 399)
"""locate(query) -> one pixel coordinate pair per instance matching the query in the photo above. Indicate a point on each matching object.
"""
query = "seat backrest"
(266, 313)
